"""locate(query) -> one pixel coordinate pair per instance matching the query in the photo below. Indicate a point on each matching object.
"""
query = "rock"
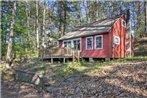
(52, 89)
(77, 89)
(71, 91)
(71, 79)
(69, 96)
(45, 81)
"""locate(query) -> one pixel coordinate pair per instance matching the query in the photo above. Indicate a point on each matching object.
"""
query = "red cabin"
(107, 38)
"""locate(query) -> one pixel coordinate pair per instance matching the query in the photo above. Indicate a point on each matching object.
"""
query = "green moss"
(67, 70)
(96, 68)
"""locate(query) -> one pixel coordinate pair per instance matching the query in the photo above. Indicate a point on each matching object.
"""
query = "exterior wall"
(60, 44)
(119, 51)
(105, 52)
(97, 53)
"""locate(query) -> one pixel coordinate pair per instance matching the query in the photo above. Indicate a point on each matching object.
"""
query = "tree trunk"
(88, 11)
(28, 25)
(64, 26)
(145, 17)
(79, 14)
(97, 10)
(138, 18)
(60, 16)
(43, 27)
(37, 29)
(85, 3)
(9, 59)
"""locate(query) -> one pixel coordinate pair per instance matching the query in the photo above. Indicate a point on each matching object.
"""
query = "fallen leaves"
(123, 80)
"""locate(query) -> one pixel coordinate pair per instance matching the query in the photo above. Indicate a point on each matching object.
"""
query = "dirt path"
(127, 80)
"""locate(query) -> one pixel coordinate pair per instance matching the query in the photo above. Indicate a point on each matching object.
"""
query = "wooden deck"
(62, 53)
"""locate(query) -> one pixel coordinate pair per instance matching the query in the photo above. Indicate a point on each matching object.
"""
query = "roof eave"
(84, 35)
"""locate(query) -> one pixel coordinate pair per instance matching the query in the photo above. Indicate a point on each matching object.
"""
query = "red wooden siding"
(123, 39)
(97, 53)
(60, 44)
(119, 30)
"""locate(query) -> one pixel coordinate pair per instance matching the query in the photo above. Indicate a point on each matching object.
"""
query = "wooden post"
(107, 59)
(52, 61)
(78, 56)
(63, 60)
(61, 51)
(91, 60)
(73, 56)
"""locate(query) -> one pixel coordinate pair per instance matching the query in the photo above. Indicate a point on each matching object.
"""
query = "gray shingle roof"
(101, 26)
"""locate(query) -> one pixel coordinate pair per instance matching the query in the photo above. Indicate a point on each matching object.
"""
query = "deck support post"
(107, 59)
(78, 56)
(52, 60)
(73, 58)
(91, 60)
(63, 60)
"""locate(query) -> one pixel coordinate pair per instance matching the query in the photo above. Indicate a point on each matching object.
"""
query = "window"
(67, 43)
(98, 42)
(73, 43)
(89, 43)
(77, 44)
(123, 23)
(116, 40)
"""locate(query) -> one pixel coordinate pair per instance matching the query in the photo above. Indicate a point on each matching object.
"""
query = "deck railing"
(60, 53)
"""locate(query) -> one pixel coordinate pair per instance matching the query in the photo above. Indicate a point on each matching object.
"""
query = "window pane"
(77, 44)
(116, 40)
(74, 43)
(124, 23)
(98, 42)
(69, 44)
(89, 43)
(65, 44)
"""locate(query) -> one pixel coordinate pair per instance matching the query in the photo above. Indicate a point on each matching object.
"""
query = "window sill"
(90, 49)
(98, 48)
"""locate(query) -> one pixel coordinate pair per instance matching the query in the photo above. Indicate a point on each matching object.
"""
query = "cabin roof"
(101, 26)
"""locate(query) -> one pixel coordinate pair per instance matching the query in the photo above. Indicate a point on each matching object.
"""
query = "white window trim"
(71, 40)
(65, 41)
(80, 42)
(122, 23)
(92, 43)
(95, 41)
(118, 38)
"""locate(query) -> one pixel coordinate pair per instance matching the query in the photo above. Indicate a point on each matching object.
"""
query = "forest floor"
(114, 79)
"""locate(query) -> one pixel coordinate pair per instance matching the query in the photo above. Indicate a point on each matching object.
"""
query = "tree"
(27, 11)
(62, 10)
(37, 27)
(145, 16)
(33, 18)
(43, 26)
(9, 58)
